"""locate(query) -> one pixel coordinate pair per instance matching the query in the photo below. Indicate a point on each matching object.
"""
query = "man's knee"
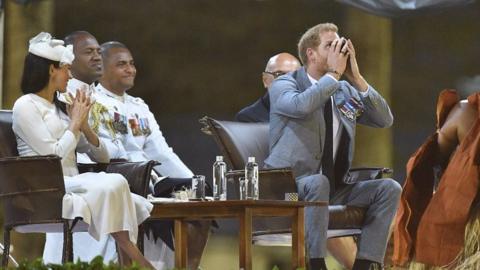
(314, 187)
(391, 188)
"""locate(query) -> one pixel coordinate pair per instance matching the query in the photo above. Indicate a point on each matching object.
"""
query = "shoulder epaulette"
(137, 100)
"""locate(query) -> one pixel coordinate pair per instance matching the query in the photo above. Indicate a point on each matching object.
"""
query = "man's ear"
(310, 54)
(266, 80)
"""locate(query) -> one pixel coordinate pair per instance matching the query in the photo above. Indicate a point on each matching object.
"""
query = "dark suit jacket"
(256, 112)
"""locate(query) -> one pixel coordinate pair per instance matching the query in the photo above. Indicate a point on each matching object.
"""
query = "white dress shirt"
(336, 128)
(335, 121)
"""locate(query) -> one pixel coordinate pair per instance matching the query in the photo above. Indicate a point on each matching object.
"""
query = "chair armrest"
(96, 167)
(366, 173)
(92, 167)
(272, 183)
(238, 173)
(137, 174)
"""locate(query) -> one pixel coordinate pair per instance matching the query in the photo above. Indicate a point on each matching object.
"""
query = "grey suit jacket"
(297, 125)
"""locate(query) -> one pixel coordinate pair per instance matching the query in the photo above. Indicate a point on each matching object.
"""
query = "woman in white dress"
(102, 200)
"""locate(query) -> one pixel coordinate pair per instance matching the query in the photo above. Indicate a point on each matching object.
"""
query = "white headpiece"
(44, 46)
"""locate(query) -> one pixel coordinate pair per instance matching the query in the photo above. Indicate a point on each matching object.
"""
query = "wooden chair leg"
(70, 246)
(6, 247)
(67, 255)
(65, 244)
(141, 236)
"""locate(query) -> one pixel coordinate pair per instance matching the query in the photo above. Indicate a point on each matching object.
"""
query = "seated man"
(133, 134)
(313, 116)
(343, 249)
(450, 158)
(277, 65)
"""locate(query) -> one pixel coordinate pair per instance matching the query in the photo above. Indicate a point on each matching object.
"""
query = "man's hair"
(311, 39)
(71, 38)
(36, 73)
(107, 46)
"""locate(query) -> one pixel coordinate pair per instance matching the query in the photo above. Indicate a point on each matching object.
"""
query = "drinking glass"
(243, 188)
(198, 186)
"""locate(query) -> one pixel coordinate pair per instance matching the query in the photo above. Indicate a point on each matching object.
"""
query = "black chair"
(32, 189)
(237, 141)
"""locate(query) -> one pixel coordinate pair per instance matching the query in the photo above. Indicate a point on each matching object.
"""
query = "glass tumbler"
(198, 186)
(242, 183)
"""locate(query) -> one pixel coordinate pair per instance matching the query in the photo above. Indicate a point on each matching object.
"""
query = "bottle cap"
(251, 159)
(219, 158)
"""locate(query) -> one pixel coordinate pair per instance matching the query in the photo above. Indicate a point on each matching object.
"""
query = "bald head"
(278, 65)
(87, 66)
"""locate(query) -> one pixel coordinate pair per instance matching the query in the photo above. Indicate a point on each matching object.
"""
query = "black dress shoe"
(361, 264)
(317, 264)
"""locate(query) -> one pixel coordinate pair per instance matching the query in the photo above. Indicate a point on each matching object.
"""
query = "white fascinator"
(44, 46)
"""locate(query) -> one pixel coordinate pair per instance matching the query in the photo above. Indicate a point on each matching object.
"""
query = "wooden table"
(244, 210)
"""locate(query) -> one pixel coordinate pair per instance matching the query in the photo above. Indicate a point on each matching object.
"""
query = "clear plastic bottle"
(219, 179)
(251, 177)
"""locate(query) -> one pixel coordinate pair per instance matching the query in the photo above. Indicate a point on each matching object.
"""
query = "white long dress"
(102, 200)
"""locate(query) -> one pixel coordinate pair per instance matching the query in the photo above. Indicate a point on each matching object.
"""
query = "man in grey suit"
(312, 130)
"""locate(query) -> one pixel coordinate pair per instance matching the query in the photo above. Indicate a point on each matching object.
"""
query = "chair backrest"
(8, 143)
(238, 140)
(32, 189)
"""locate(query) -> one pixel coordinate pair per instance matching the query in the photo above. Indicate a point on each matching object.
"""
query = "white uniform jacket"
(131, 132)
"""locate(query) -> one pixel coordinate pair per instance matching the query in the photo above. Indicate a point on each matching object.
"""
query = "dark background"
(205, 57)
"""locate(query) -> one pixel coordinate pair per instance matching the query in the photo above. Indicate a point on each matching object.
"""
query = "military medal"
(145, 127)
(119, 123)
(351, 109)
(135, 126)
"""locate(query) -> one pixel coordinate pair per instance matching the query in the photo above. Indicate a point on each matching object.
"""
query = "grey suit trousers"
(380, 197)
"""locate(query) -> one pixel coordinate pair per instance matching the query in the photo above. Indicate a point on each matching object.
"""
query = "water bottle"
(251, 177)
(219, 179)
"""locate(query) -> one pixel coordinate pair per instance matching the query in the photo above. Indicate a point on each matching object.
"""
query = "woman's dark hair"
(36, 73)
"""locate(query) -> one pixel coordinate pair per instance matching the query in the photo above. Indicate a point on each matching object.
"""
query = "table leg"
(298, 239)
(245, 239)
(181, 254)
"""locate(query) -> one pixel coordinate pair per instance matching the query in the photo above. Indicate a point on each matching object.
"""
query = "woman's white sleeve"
(29, 125)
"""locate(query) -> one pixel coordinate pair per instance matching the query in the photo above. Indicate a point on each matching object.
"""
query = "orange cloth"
(430, 227)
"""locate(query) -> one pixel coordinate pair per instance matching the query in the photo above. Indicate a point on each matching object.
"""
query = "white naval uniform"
(131, 132)
(142, 140)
